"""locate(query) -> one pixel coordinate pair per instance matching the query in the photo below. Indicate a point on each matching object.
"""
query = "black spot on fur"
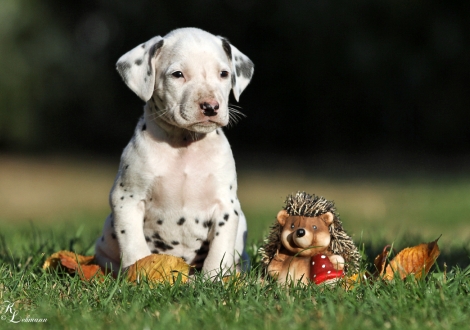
(197, 220)
(145, 79)
(155, 251)
(102, 238)
(149, 71)
(231, 201)
(231, 187)
(235, 212)
(154, 49)
(145, 219)
(181, 221)
(221, 223)
(233, 80)
(217, 234)
(159, 221)
(123, 231)
(127, 166)
(217, 131)
(143, 45)
(227, 48)
(207, 224)
(162, 245)
(156, 236)
(138, 61)
(112, 223)
(244, 68)
(144, 127)
(147, 239)
(113, 235)
(121, 184)
(226, 216)
(132, 196)
(202, 250)
(184, 259)
(175, 242)
(122, 197)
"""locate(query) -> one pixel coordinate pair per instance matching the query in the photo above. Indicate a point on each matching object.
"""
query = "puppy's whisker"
(234, 106)
(236, 111)
(235, 116)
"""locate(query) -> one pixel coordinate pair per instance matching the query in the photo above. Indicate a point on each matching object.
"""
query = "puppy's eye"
(224, 74)
(292, 226)
(314, 227)
(177, 74)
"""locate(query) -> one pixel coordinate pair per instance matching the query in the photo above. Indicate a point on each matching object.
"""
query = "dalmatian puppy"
(176, 189)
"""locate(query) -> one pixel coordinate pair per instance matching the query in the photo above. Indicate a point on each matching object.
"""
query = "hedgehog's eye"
(314, 227)
(292, 226)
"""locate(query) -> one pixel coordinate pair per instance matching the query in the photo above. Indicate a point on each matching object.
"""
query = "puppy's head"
(188, 75)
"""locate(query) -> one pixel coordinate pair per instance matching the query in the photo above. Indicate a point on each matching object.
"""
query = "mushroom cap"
(322, 269)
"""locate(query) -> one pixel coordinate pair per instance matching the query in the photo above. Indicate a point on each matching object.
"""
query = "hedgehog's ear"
(327, 218)
(282, 217)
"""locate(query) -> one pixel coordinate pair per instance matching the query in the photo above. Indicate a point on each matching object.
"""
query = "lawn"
(40, 213)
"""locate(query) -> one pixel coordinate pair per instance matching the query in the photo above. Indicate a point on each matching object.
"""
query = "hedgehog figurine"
(308, 243)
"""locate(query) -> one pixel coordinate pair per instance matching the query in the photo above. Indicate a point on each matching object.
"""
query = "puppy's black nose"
(300, 232)
(209, 109)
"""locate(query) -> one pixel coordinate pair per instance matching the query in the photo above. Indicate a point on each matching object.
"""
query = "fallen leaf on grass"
(415, 261)
(352, 281)
(159, 268)
(381, 260)
(73, 263)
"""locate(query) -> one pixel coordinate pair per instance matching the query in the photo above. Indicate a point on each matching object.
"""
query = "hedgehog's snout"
(300, 232)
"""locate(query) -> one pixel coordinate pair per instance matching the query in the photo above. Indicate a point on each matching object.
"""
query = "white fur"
(177, 174)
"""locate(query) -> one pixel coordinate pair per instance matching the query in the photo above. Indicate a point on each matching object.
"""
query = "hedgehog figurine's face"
(305, 236)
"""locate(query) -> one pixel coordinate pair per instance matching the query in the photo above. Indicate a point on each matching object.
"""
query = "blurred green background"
(362, 102)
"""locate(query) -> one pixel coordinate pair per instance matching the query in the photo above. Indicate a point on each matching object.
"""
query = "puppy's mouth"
(204, 126)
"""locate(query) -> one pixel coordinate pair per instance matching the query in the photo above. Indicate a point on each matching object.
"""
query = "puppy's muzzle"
(209, 109)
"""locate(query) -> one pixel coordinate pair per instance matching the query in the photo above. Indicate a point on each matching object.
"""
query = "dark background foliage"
(353, 77)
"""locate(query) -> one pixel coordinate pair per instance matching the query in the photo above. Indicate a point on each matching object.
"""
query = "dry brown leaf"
(54, 260)
(159, 268)
(415, 260)
(380, 261)
(73, 263)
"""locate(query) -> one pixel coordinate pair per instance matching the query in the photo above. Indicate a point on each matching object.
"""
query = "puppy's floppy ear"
(242, 68)
(137, 67)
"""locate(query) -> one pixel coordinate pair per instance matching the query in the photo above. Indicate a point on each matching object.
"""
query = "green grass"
(40, 215)
(439, 302)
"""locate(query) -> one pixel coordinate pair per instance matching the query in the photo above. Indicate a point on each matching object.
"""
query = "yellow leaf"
(159, 268)
(415, 260)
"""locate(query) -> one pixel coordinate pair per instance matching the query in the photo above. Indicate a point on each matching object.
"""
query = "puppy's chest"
(187, 193)
(187, 183)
